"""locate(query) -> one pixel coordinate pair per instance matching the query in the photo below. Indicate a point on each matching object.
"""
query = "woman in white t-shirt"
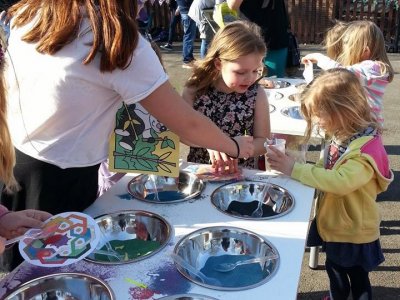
(70, 66)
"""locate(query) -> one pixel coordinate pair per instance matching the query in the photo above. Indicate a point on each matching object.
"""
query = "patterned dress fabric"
(233, 113)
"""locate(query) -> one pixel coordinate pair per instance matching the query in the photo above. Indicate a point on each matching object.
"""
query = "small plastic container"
(279, 144)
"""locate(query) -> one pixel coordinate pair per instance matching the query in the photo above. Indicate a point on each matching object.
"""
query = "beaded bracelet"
(237, 148)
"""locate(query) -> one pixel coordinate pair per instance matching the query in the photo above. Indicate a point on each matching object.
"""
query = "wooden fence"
(310, 19)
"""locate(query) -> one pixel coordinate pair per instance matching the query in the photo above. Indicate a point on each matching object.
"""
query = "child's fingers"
(275, 152)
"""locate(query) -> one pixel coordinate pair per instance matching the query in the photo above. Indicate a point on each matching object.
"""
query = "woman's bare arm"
(169, 108)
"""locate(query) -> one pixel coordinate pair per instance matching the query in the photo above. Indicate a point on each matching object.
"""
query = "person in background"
(189, 33)
(83, 66)
(223, 88)
(175, 17)
(12, 223)
(271, 16)
(364, 54)
(207, 26)
(355, 171)
(333, 41)
(5, 4)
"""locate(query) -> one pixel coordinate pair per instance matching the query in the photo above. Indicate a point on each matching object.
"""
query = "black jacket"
(272, 19)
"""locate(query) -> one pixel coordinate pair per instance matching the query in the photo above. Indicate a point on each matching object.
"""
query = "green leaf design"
(143, 151)
(164, 168)
(144, 164)
(167, 143)
(171, 143)
(165, 155)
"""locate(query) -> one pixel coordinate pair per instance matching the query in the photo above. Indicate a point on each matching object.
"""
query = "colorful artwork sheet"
(207, 173)
(141, 144)
(70, 237)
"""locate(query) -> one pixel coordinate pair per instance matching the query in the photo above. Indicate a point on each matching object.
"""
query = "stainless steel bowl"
(68, 286)
(301, 86)
(162, 189)
(272, 108)
(277, 84)
(130, 236)
(188, 297)
(241, 200)
(202, 250)
(295, 97)
(292, 112)
(273, 95)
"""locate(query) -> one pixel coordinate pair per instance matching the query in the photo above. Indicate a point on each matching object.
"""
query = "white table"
(158, 273)
(279, 122)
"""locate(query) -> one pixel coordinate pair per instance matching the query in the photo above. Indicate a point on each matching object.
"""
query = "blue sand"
(165, 196)
(241, 276)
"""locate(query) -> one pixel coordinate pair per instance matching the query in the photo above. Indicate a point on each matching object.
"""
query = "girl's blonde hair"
(333, 40)
(237, 39)
(7, 153)
(57, 23)
(357, 37)
(338, 95)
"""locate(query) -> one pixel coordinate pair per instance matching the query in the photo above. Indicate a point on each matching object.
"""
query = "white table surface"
(279, 122)
(158, 273)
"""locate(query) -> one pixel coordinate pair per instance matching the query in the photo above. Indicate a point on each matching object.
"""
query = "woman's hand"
(280, 161)
(16, 223)
(222, 163)
(246, 146)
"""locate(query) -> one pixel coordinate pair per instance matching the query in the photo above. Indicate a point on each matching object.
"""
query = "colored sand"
(130, 249)
(241, 276)
(165, 196)
(247, 208)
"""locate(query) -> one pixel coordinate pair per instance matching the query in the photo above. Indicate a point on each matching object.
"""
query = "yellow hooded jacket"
(347, 211)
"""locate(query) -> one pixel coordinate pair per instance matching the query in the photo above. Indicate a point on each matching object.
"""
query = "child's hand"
(222, 163)
(312, 57)
(280, 161)
(18, 222)
(246, 146)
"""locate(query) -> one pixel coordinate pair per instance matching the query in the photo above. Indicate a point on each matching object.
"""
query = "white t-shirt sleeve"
(144, 74)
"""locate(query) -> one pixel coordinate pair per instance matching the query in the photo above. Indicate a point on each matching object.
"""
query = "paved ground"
(386, 279)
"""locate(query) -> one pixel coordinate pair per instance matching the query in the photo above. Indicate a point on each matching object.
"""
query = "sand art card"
(141, 144)
(207, 173)
(70, 237)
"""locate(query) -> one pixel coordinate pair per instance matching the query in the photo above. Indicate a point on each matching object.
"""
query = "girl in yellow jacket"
(355, 170)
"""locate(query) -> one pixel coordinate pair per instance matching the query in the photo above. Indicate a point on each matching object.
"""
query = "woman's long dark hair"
(57, 23)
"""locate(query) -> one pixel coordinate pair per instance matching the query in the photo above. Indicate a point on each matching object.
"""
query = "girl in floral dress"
(223, 87)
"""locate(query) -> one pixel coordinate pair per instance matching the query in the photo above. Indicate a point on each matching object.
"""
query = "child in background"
(355, 170)
(364, 54)
(334, 40)
(11, 223)
(222, 87)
